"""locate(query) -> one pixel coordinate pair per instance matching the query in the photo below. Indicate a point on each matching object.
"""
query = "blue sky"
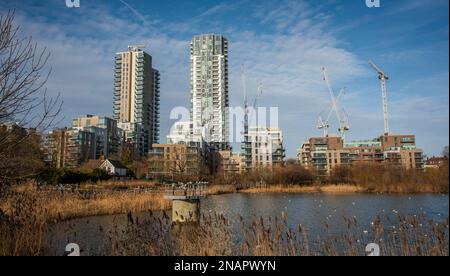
(283, 44)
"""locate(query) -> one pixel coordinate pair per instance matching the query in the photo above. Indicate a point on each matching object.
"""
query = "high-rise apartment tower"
(209, 90)
(136, 98)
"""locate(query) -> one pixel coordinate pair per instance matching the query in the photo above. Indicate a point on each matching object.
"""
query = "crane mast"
(343, 122)
(247, 144)
(383, 79)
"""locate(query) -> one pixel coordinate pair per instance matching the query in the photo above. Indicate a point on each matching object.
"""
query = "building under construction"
(328, 152)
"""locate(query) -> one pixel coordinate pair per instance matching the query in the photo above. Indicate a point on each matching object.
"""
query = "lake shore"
(52, 205)
(326, 189)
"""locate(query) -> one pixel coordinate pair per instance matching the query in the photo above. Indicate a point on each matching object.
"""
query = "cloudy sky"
(283, 44)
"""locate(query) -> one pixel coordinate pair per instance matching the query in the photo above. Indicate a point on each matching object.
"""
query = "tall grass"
(25, 222)
(216, 235)
(365, 177)
(26, 213)
(50, 205)
(389, 179)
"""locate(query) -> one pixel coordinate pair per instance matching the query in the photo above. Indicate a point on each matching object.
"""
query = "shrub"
(55, 176)
(99, 175)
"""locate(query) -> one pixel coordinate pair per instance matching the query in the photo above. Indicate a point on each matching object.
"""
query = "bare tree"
(445, 152)
(23, 97)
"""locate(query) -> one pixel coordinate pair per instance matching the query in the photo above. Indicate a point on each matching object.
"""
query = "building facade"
(436, 162)
(136, 97)
(175, 160)
(69, 148)
(304, 154)
(209, 90)
(226, 162)
(266, 147)
(327, 153)
(107, 134)
(180, 133)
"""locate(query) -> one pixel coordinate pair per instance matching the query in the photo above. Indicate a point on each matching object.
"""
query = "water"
(312, 211)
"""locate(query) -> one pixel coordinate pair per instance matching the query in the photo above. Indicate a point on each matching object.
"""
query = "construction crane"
(259, 92)
(383, 78)
(343, 120)
(247, 144)
(324, 124)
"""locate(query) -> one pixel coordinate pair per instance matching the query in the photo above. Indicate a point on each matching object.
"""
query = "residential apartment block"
(326, 153)
(180, 133)
(69, 148)
(227, 163)
(209, 90)
(136, 98)
(172, 160)
(266, 147)
(107, 134)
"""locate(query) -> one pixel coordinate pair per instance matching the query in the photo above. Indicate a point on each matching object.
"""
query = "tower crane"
(383, 78)
(247, 144)
(324, 124)
(343, 120)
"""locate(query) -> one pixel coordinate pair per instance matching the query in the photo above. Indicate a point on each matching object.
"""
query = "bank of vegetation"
(363, 177)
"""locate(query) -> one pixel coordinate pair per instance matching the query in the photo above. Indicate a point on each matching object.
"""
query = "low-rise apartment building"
(69, 148)
(106, 131)
(226, 162)
(171, 160)
(266, 147)
(326, 153)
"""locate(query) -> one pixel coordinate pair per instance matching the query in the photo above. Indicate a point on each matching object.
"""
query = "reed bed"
(52, 205)
(123, 184)
(329, 189)
(216, 235)
(27, 214)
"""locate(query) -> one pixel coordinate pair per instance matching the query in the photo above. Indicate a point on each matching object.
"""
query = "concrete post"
(186, 210)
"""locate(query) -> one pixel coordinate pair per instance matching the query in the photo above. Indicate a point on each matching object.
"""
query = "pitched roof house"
(114, 167)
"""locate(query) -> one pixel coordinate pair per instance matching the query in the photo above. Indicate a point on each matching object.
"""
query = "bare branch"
(23, 98)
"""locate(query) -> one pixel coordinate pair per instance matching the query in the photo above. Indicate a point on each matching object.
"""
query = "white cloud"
(286, 52)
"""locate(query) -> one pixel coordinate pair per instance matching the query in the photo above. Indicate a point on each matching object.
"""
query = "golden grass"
(216, 236)
(328, 189)
(67, 207)
(221, 189)
(130, 184)
(56, 206)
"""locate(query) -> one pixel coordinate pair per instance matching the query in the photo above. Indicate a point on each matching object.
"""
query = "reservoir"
(321, 215)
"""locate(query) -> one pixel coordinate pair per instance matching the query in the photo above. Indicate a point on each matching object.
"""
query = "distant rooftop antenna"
(136, 47)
